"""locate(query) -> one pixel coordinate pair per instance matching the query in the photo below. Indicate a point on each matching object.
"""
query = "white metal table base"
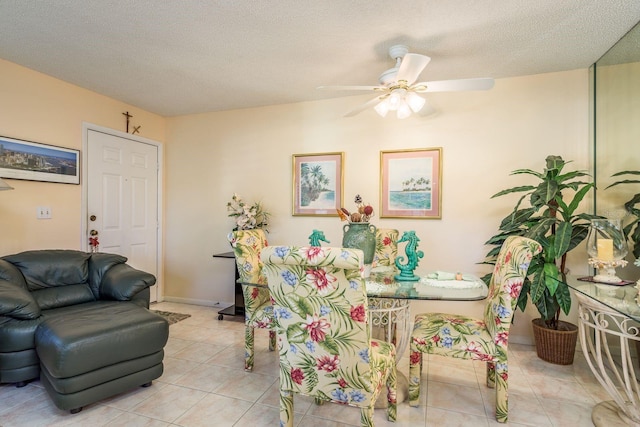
(392, 317)
(599, 325)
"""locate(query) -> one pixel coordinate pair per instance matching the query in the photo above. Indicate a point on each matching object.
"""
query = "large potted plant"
(553, 222)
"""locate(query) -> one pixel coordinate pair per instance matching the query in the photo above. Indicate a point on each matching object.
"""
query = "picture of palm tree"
(419, 184)
(317, 184)
(410, 183)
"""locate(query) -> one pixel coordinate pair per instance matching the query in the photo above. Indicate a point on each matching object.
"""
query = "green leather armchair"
(80, 322)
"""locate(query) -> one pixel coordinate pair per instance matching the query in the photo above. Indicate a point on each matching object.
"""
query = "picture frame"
(317, 184)
(411, 183)
(33, 161)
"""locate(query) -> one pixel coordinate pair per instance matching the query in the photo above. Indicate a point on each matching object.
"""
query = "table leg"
(390, 321)
(392, 317)
(598, 326)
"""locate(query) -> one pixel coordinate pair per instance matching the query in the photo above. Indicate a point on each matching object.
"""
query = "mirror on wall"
(616, 131)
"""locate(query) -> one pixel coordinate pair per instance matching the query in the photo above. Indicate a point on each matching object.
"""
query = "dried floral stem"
(363, 212)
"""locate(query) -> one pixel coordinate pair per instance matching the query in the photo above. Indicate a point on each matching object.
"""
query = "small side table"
(238, 308)
(601, 326)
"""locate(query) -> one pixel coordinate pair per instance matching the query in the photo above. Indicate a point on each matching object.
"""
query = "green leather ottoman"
(100, 352)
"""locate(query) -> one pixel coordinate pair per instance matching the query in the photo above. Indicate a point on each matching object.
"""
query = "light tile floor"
(204, 384)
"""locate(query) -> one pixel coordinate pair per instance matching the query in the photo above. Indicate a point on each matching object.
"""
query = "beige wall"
(208, 157)
(484, 136)
(39, 108)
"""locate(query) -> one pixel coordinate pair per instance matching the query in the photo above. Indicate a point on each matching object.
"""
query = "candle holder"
(607, 270)
(606, 246)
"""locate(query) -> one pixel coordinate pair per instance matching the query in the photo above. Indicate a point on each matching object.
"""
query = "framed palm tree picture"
(411, 183)
(317, 183)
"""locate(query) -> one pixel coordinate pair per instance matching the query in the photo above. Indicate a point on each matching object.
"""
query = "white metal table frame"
(600, 327)
(393, 316)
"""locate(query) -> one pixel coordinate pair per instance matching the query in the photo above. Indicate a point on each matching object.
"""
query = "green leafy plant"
(632, 229)
(553, 223)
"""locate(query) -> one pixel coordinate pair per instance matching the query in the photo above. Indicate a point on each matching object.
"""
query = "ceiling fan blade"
(351, 87)
(411, 66)
(364, 106)
(454, 85)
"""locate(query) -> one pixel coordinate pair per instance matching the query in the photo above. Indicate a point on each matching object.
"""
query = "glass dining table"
(389, 299)
(609, 326)
(389, 304)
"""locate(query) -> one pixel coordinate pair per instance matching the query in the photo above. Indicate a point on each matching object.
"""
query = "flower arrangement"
(248, 216)
(363, 212)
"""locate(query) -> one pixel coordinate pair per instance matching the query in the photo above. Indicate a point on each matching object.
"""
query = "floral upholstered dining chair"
(484, 339)
(386, 247)
(258, 312)
(321, 319)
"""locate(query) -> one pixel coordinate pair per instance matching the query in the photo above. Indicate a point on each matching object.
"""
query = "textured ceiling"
(189, 56)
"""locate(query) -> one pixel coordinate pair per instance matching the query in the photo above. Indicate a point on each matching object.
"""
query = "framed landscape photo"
(33, 161)
(411, 183)
(317, 183)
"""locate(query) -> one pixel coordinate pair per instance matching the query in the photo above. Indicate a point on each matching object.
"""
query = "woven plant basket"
(555, 346)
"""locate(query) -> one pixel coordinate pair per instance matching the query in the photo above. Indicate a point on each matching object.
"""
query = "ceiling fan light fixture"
(382, 108)
(404, 110)
(398, 90)
(396, 98)
(415, 101)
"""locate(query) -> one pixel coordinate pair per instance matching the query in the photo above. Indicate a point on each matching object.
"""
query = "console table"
(238, 308)
(609, 316)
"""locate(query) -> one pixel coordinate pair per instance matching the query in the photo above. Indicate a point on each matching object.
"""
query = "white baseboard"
(193, 301)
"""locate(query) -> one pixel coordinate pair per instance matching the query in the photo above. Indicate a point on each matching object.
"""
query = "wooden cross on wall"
(136, 129)
(128, 116)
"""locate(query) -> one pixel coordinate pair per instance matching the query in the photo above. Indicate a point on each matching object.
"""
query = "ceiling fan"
(398, 90)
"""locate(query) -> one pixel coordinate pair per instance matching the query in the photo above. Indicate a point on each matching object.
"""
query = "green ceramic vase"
(360, 235)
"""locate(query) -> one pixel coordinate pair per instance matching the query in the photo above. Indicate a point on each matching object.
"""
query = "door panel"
(122, 182)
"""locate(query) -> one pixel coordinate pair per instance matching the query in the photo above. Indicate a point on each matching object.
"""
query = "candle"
(605, 249)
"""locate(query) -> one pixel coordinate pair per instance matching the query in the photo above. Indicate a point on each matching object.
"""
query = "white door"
(122, 198)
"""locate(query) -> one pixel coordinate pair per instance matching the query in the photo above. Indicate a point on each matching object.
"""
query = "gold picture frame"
(411, 183)
(317, 184)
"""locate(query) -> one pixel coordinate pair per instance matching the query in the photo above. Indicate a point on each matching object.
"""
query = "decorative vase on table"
(361, 235)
